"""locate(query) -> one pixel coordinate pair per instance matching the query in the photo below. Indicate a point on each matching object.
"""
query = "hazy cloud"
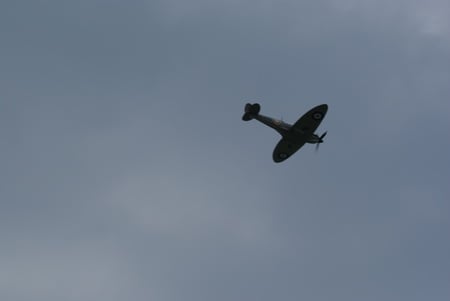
(128, 174)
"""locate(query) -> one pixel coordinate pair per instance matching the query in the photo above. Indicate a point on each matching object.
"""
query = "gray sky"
(127, 173)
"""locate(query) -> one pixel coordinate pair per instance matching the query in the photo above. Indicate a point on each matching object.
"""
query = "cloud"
(128, 174)
(33, 269)
(192, 207)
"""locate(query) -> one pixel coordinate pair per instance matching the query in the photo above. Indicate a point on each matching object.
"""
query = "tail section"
(251, 110)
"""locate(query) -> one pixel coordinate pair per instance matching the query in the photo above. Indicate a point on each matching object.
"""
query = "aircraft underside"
(294, 136)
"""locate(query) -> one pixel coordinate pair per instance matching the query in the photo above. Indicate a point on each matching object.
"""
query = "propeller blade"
(320, 141)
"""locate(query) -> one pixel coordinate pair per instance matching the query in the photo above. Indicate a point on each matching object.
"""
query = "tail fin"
(251, 110)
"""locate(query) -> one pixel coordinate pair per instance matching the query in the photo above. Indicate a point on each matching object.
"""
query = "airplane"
(293, 136)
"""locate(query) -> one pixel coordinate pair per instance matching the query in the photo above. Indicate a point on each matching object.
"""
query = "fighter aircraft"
(293, 136)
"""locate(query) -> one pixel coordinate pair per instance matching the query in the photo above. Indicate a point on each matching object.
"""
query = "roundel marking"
(317, 115)
(282, 155)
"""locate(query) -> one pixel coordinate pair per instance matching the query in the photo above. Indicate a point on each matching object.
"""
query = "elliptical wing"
(286, 148)
(310, 121)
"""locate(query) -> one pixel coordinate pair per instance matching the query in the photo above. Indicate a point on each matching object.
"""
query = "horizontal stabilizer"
(251, 110)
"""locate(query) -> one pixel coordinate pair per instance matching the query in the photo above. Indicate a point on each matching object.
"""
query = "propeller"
(320, 140)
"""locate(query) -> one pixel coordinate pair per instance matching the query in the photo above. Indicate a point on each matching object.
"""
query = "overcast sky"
(126, 172)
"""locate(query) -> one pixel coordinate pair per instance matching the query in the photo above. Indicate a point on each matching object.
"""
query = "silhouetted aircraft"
(294, 136)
